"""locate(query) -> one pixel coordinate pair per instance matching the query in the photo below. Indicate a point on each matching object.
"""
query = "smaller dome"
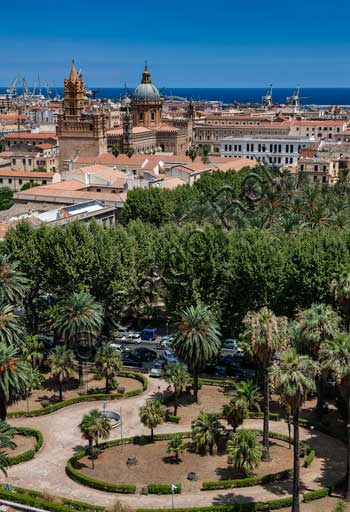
(146, 90)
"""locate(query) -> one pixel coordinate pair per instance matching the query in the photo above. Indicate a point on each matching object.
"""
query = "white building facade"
(275, 151)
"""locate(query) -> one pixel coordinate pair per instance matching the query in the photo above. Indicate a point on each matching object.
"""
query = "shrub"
(171, 418)
(163, 489)
(340, 506)
(248, 482)
(309, 458)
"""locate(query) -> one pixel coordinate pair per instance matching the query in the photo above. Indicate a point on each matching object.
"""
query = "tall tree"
(80, 320)
(198, 340)
(312, 328)
(264, 334)
(95, 425)
(176, 446)
(61, 362)
(13, 282)
(15, 377)
(341, 291)
(177, 375)
(335, 357)
(33, 351)
(246, 390)
(108, 362)
(152, 414)
(206, 431)
(294, 379)
(10, 325)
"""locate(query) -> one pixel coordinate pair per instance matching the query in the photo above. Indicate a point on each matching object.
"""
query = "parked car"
(116, 346)
(134, 337)
(146, 354)
(219, 371)
(168, 357)
(48, 341)
(230, 344)
(164, 345)
(156, 370)
(149, 334)
(132, 359)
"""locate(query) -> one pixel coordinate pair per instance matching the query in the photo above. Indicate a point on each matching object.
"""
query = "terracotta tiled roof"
(31, 136)
(25, 174)
(44, 146)
(314, 123)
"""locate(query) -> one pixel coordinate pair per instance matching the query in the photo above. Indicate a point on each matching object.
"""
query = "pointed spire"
(73, 73)
(146, 76)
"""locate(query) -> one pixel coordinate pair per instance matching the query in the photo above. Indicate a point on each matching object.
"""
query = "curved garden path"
(46, 472)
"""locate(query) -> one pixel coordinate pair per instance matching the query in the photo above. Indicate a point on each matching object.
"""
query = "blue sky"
(220, 43)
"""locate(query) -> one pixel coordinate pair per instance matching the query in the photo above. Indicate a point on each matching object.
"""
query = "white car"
(116, 347)
(156, 371)
(133, 337)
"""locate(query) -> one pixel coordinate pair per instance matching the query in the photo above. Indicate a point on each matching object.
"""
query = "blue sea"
(309, 96)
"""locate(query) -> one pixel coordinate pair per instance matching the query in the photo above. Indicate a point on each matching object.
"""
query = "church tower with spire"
(80, 132)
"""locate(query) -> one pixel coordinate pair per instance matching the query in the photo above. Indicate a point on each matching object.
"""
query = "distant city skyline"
(187, 44)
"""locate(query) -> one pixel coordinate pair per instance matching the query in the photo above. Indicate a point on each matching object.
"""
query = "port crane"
(267, 99)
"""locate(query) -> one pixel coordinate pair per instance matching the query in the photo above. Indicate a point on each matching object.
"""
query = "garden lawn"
(154, 465)
(48, 394)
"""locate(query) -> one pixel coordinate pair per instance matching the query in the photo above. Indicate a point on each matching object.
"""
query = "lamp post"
(167, 327)
(173, 490)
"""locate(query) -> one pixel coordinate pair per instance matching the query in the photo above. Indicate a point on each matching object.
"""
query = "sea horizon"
(227, 95)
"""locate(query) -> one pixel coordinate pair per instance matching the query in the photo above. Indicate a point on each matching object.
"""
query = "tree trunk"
(320, 394)
(347, 478)
(266, 445)
(152, 435)
(80, 366)
(60, 390)
(107, 385)
(3, 408)
(296, 464)
(91, 446)
(289, 431)
(195, 385)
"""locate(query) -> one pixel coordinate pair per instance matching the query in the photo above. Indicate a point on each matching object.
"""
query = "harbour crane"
(267, 99)
(12, 89)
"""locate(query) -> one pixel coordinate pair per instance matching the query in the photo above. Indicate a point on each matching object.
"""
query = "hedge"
(37, 499)
(29, 454)
(118, 488)
(171, 418)
(232, 507)
(85, 398)
(264, 479)
(163, 489)
(247, 482)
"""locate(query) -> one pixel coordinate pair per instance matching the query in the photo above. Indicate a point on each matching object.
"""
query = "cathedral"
(85, 134)
(145, 130)
(80, 133)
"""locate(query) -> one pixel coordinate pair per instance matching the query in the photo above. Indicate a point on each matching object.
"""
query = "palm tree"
(198, 340)
(176, 446)
(264, 334)
(14, 378)
(246, 390)
(340, 287)
(244, 451)
(80, 320)
(311, 329)
(152, 414)
(192, 153)
(235, 412)
(61, 362)
(206, 431)
(294, 379)
(10, 327)
(93, 426)
(12, 282)
(335, 357)
(33, 351)
(108, 362)
(177, 375)
(7, 434)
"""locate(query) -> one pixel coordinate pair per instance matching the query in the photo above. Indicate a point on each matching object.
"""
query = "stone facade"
(80, 134)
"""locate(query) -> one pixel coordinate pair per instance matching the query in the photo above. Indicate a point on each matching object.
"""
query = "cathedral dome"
(146, 91)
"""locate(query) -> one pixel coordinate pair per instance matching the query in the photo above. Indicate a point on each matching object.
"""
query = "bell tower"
(74, 91)
(80, 132)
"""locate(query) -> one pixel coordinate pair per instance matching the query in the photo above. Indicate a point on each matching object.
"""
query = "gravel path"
(46, 472)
